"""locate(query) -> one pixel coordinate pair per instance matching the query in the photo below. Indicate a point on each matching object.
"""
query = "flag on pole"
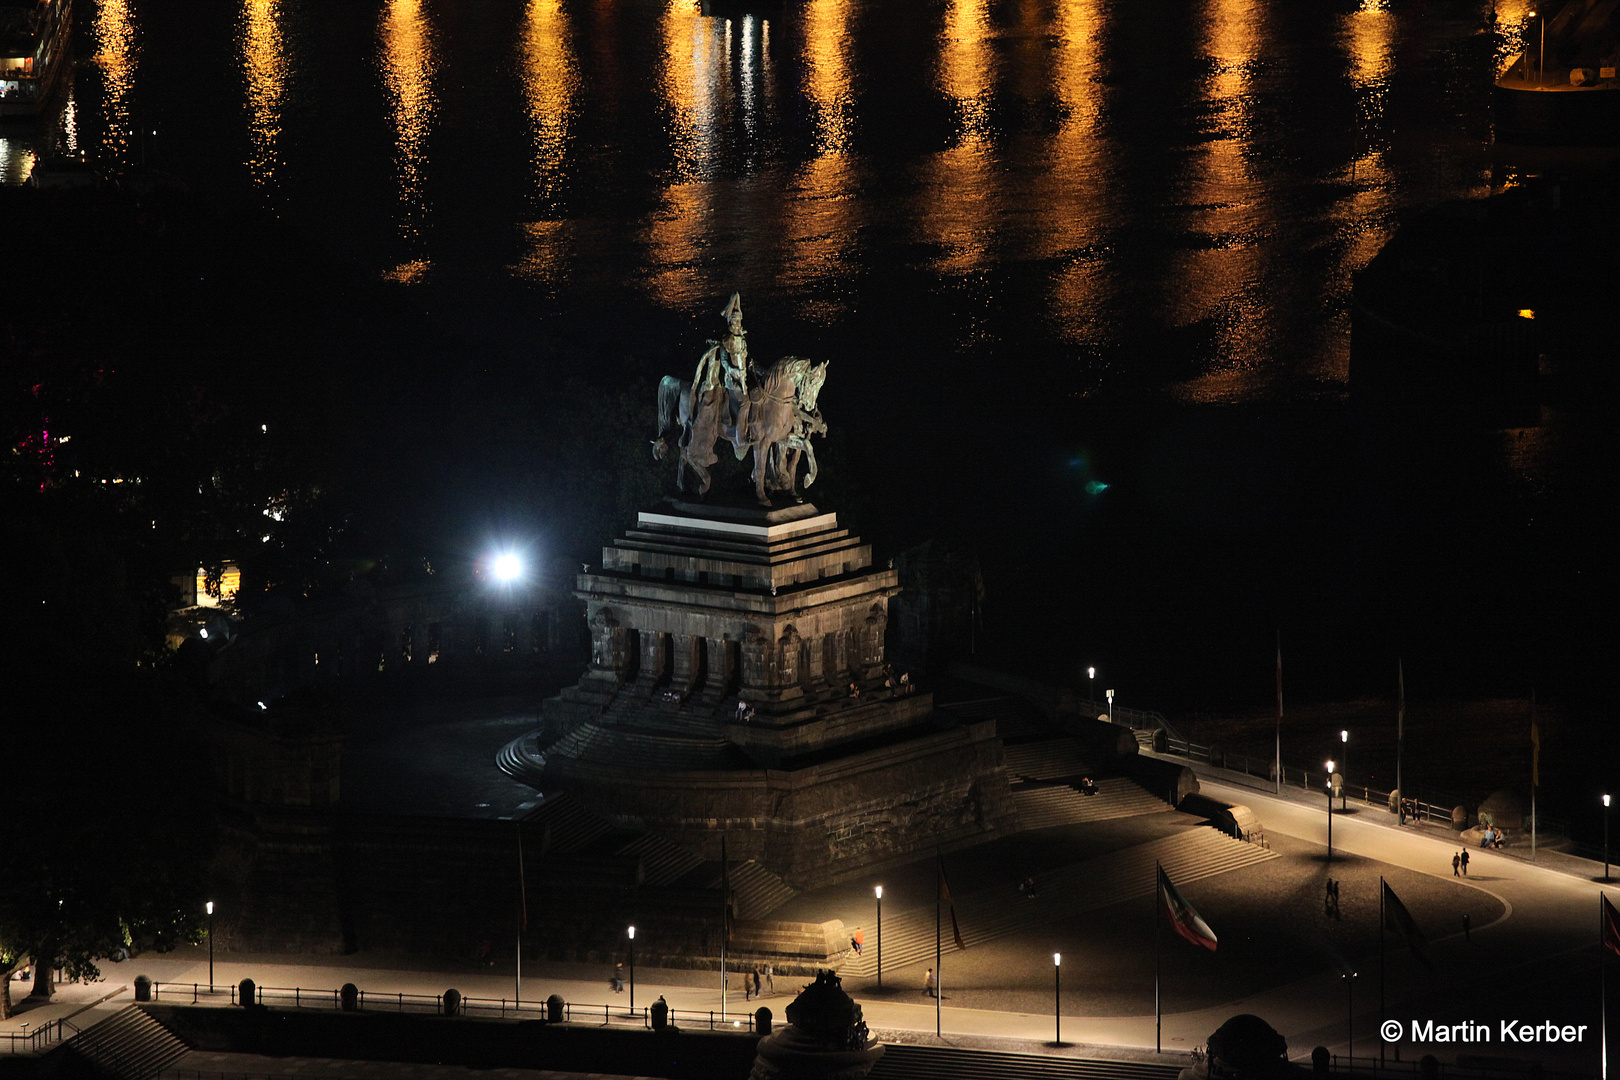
(945, 898)
(1611, 926)
(1398, 919)
(1535, 750)
(1184, 919)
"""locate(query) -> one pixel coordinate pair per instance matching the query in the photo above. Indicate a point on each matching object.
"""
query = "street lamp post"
(1350, 1018)
(1344, 738)
(632, 971)
(879, 891)
(1110, 694)
(1091, 688)
(1330, 810)
(1057, 999)
(1605, 838)
(209, 907)
(1541, 65)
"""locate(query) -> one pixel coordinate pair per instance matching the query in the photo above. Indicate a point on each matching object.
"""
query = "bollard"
(1429, 1067)
(554, 1008)
(349, 998)
(1320, 1061)
(452, 1002)
(660, 1014)
(143, 988)
(762, 1021)
(247, 994)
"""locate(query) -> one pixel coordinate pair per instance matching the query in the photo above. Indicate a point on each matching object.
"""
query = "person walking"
(1456, 863)
(931, 984)
(770, 978)
(756, 980)
(748, 987)
(1465, 862)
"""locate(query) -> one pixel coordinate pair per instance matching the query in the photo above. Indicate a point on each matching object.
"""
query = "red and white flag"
(1183, 918)
(1611, 926)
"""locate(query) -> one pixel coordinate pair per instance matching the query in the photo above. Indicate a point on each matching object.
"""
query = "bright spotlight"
(507, 567)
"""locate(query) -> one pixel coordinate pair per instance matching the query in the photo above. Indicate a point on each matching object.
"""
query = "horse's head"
(810, 379)
(660, 448)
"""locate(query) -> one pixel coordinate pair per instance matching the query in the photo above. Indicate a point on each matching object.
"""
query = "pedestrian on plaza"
(617, 981)
(748, 987)
(857, 941)
(770, 978)
(1465, 862)
(756, 980)
(1456, 864)
(931, 984)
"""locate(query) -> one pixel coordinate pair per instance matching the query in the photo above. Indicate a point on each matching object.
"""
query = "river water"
(1083, 269)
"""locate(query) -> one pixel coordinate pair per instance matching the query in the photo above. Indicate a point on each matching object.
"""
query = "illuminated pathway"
(1521, 964)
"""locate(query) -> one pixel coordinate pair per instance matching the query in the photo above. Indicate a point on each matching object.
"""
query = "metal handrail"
(47, 1033)
(304, 997)
(1251, 766)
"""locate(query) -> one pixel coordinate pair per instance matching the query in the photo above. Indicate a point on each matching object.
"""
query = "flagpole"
(1158, 1015)
(1535, 772)
(725, 921)
(1381, 965)
(939, 967)
(522, 892)
(1400, 730)
(1603, 988)
(1279, 715)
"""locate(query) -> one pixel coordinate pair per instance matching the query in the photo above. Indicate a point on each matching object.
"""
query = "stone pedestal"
(737, 686)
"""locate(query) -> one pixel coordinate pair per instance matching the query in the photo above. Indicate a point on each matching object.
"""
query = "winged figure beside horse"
(771, 411)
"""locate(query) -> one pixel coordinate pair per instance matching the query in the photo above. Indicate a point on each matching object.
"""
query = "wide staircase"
(1046, 806)
(901, 1062)
(128, 1045)
(987, 915)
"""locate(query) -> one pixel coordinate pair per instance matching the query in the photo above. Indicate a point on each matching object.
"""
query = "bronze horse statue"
(699, 422)
(774, 417)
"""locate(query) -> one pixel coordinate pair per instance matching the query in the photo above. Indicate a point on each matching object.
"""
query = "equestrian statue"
(771, 411)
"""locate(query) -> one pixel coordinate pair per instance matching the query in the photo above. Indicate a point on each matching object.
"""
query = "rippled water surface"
(1166, 192)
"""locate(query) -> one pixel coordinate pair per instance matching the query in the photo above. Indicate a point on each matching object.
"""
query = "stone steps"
(1047, 807)
(129, 1045)
(1068, 892)
(662, 862)
(1049, 759)
(566, 824)
(755, 891)
(905, 1062)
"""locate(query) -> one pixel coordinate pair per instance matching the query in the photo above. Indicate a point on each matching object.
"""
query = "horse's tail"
(670, 392)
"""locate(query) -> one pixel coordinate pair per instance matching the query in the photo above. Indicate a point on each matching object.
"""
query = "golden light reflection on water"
(710, 234)
(408, 69)
(821, 217)
(550, 83)
(1079, 202)
(264, 67)
(827, 72)
(958, 201)
(696, 66)
(1217, 282)
(117, 53)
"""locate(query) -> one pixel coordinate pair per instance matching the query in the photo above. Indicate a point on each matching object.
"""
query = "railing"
(1135, 719)
(304, 997)
(1418, 809)
(34, 1039)
(1370, 1065)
